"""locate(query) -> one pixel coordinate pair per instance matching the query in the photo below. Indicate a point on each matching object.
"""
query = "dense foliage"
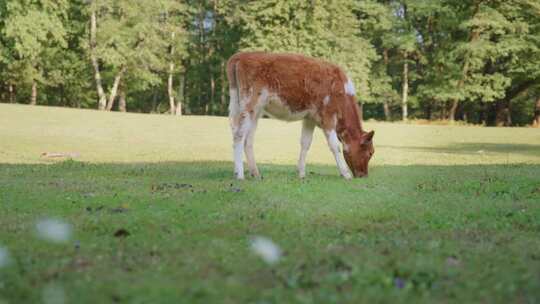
(472, 60)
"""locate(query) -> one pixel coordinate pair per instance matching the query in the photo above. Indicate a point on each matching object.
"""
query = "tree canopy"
(476, 61)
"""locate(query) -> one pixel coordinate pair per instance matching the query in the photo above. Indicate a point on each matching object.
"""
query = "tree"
(472, 60)
(129, 37)
(377, 21)
(32, 31)
(173, 31)
(522, 56)
(492, 39)
(536, 119)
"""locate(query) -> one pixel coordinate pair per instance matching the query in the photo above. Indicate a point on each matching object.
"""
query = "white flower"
(53, 294)
(266, 249)
(54, 230)
(4, 257)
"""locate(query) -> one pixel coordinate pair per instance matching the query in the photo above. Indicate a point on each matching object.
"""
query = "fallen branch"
(60, 154)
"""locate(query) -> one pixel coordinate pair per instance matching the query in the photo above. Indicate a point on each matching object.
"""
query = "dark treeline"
(476, 61)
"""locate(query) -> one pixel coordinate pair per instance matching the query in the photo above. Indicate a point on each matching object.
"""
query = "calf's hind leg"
(243, 124)
(239, 121)
(250, 155)
(240, 125)
(305, 142)
(254, 108)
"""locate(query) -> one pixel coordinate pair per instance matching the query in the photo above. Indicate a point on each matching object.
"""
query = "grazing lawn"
(448, 214)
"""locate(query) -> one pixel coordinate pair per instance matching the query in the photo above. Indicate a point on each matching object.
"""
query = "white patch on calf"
(333, 141)
(234, 103)
(276, 108)
(263, 98)
(349, 87)
(326, 100)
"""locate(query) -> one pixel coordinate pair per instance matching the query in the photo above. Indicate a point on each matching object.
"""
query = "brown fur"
(302, 83)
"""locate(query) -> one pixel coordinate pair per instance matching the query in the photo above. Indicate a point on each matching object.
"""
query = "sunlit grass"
(27, 132)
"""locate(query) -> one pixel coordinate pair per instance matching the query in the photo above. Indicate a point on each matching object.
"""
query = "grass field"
(447, 215)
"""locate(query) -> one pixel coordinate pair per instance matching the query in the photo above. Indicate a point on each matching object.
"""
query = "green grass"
(447, 215)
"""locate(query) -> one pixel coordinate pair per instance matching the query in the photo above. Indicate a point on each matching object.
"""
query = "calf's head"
(358, 151)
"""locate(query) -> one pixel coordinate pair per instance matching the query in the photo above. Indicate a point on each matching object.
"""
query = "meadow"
(448, 213)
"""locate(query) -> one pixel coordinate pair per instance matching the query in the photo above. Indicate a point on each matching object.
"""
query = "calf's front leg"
(333, 144)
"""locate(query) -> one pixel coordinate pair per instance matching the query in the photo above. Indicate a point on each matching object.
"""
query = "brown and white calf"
(294, 87)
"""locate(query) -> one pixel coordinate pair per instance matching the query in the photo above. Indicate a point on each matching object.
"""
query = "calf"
(294, 87)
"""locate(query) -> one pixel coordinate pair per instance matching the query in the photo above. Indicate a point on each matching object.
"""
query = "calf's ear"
(367, 137)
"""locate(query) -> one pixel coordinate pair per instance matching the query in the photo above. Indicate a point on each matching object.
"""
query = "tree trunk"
(202, 51)
(405, 89)
(122, 101)
(223, 89)
(386, 106)
(11, 93)
(212, 91)
(33, 99)
(154, 101)
(62, 98)
(211, 49)
(170, 89)
(429, 110)
(485, 114)
(475, 34)
(503, 117)
(536, 120)
(102, 101)
(114, 89)
(453, 109)
(461, 82)
(480, 117)
(508, 114)
(361, 112)
(178, 111)
(444, 109)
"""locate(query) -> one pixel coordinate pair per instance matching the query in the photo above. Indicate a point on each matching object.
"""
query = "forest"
(462, 61)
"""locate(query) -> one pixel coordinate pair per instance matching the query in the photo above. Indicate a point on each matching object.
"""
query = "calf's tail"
(234, 86)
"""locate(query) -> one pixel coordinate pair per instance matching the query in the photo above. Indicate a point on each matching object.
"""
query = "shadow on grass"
(223, 171)
(477, 148)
